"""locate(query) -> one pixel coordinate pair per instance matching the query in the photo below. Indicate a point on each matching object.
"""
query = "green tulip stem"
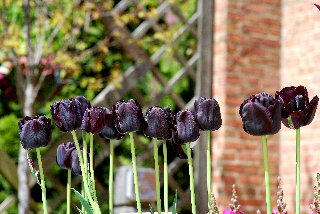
(209, 167)
(43, 184)
(69, 191)
(266, 173)
(156, 169)
(111, 177)
(193, 202)
(93, 183)
(298, 170)
(93, 204)
(165, 177)
(85, 156)
(135, 173)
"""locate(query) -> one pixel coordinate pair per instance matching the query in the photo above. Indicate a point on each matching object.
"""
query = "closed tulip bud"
(64, 152)
(109, 130)
(296, 106)
(34, 133)
(159, 123)
(261, 115)
(187, 128)
(208, 113)
(128, 116)
(93, 120)
(68, 114)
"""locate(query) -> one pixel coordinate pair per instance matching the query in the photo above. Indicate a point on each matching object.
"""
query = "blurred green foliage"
(88, 60)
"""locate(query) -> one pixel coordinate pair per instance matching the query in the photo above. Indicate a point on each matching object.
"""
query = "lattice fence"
(169, 20)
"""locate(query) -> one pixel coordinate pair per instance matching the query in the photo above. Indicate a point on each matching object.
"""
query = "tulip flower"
(261, 115)
(128, 116)
(209, 118)
(34, 133)
(208, 113)
(297, 111)
(109, 130)
(93, 120)
(68, 114)
(159, 124)
(186, 130)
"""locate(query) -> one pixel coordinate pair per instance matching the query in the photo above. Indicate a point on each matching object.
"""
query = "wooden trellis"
(197, 67)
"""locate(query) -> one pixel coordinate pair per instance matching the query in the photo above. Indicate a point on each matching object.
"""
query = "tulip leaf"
(174, 205)
(83, 202)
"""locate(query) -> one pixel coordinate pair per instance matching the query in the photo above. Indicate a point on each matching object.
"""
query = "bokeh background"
(166, 53)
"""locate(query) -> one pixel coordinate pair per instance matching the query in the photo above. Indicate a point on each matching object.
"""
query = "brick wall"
(246, 62)
(300, 53)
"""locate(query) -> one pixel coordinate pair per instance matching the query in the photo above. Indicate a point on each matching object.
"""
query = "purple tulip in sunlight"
(68, 114)
(296, 106)
(93, 120)
(34, 133)
(109, 130)
(187, 128)
(261, 115)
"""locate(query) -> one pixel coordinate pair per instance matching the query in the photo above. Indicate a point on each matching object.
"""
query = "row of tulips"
(261, 115)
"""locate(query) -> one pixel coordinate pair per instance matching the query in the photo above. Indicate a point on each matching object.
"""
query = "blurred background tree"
(54, 50)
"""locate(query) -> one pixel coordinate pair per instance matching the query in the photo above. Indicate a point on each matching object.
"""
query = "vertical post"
(203, 88)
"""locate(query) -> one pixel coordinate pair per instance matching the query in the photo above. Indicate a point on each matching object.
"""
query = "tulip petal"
(256, 119)
(311, 110)
(297, 118)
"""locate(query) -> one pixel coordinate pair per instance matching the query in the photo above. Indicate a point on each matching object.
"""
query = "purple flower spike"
(296, 106)
(34, 133)
(187, 128)
(68, 114)
(234, 205)
(93, 120)
(159, 123)
(128, 116)
(208, 113)
(64, 152)
(110, 131)
(261, 115)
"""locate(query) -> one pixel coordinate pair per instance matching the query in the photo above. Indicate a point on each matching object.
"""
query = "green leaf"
(83, 202)
(174, 205)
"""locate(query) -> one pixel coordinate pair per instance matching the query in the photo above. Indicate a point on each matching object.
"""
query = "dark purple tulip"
(208, 113)
(109, 130)
(296, 105)
(93, 120)
(68, 114)
(34, 133)
(64, 152)
(159, 123)
(128, 116)
(261, 115)
(187, 128)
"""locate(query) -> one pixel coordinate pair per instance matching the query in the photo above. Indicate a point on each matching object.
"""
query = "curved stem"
(43, 184)
(266, 173)
(165, 176)
(298, 170)
(93, 183)
(209, 167)
(111, 177)
(193, 201)
(94, 205)
(68, 191)
(156, 169)
(135, 173)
